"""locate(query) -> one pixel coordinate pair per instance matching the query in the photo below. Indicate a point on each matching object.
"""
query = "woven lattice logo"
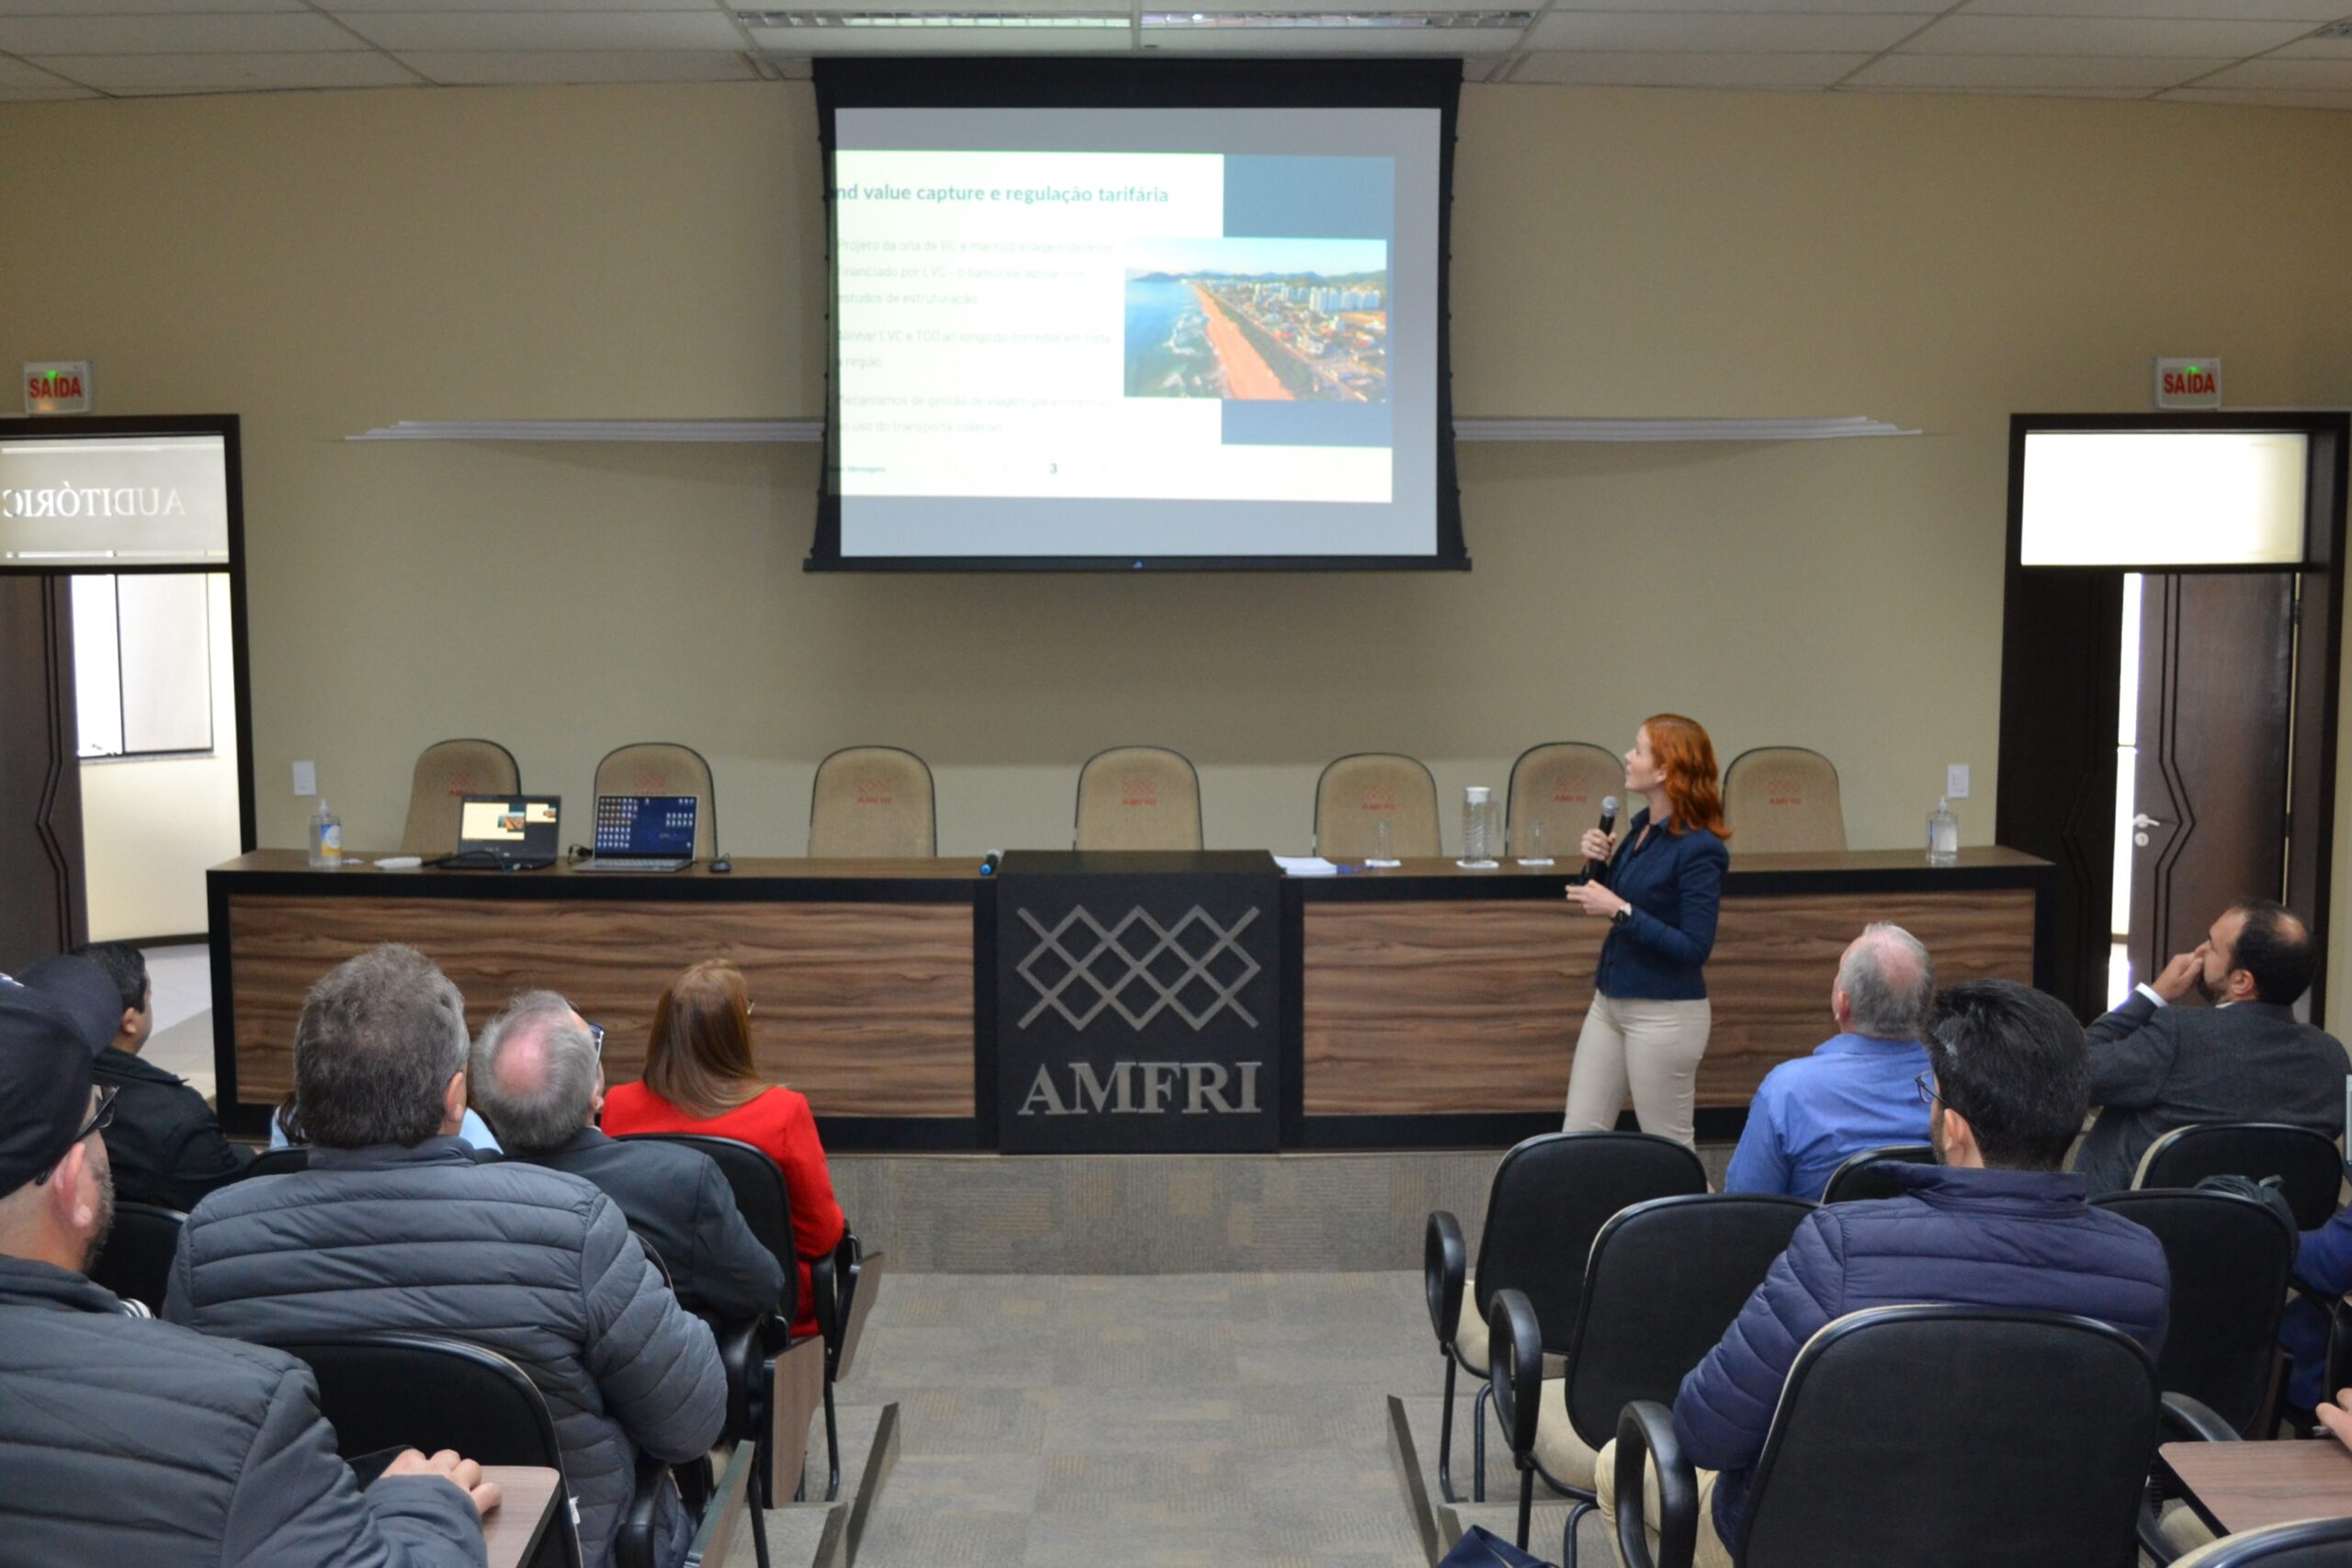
(1138, 968)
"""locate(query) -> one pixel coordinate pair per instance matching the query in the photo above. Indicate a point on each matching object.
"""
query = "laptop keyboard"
(635, 863)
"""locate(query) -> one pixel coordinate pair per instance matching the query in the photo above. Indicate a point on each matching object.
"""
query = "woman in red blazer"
(699, 1079)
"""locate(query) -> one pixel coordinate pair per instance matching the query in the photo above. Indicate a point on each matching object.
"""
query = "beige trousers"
(1708, 1552)
(1654, 1047)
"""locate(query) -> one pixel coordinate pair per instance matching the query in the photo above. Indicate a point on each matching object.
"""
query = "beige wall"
(321, 264)
(149, 829)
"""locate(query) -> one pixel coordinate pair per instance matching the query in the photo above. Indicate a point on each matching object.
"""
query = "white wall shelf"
(782, 430)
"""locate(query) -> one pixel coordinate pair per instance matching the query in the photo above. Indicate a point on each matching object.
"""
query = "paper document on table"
(1306, 866)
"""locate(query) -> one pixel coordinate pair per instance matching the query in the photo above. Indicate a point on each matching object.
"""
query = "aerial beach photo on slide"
(1259, 320)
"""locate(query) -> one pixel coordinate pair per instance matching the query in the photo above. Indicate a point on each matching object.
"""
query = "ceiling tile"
(16, 73)
(2336, 100)
(1972, 34)
(1836, 7)
(228, 73)
(2135, 94)
(2312, 11)
(139, 8)
(1024, 7)
(42, 94)
(2317, 49)
(946, 41)
(2287, 76)
(1216, 7)
(1667, 69)
(354, 7)
(246, 34)
(501, 66)
(1654, 30)
(2029, 70)
(1326, 41)
(551, 31)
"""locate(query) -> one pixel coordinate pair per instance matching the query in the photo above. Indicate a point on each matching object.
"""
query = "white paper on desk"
(1306, 866)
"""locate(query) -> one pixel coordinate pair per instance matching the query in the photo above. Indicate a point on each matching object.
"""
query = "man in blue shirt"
(1858, 1089)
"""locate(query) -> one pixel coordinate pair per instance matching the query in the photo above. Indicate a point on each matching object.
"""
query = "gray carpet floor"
(1201, 1420)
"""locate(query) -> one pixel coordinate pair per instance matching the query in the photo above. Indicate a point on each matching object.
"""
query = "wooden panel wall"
(1424, 1007)
(865, 1008)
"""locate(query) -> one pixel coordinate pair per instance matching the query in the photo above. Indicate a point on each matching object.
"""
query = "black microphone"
(1593, 868)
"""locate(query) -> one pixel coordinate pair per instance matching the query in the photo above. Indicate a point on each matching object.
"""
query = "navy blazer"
(1675, 883)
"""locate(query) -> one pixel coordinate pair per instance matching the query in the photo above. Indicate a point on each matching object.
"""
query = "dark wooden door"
(2217, 673)
(42, 901)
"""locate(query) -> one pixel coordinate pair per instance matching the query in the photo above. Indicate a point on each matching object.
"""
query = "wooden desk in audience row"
(1425, 1005)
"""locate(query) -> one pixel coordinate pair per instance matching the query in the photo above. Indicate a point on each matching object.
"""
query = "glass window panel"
(166, 662)
(2163, 498)
(98, 668)
(106, 501)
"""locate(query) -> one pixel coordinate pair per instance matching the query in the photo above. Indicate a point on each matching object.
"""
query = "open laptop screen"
(646, 824)
(512, 825)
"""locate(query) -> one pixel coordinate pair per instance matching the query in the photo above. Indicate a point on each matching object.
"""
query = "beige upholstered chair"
(1139, 797)
(1782, 800)
(664, 767)
(873, 802)
(447, 771)
(1561, 785)
(1366, 788)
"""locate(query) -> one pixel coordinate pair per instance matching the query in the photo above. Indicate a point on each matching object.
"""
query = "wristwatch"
(1624, 912)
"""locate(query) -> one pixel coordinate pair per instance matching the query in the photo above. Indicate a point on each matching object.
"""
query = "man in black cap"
(134, 1442)
(166, 1145)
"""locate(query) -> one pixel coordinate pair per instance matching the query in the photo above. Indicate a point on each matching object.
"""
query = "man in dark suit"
(2157, 1065)
(539, 1078)
(167, 1144)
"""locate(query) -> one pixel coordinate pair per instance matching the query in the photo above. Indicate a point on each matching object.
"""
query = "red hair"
(699, 1057)
(1687, 758)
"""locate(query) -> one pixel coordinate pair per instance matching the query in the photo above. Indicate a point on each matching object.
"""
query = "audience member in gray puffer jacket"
(394, 1226)
(128, 1443)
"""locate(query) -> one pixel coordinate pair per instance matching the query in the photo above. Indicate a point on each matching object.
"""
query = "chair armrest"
(1515, 1371)
(1446, 1264)
(633, 1544)
(2182, 1418)
(1645, 1431)
(741, 1352)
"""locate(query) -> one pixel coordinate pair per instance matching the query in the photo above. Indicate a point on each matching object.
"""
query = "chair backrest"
(1938, 1436)
(1662, 1284)
(425, 1391)
(1139, 797)
(761, 1197)
(873, 802)
(2230, 1258)
(1550, 1196)
(664, 767)
(1359, 791)
(136, 1263)
(447, 771)
(2309, 1167)
(1868, 1174)
(277, 1162)
(2307, 1544)
(1782, 800)
(1560, 785)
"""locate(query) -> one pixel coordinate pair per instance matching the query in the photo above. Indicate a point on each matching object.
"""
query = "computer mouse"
(721, 866)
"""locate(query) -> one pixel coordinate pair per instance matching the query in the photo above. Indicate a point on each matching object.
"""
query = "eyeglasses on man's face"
(1927, 1082)
(596, 1038)
(101, 1118)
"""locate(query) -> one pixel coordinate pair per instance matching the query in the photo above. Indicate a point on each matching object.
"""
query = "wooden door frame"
(2061, 628)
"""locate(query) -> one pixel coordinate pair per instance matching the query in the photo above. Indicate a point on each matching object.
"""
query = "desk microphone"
(1593, 868)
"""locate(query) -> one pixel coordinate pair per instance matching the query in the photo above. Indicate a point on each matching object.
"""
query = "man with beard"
(1994, 1222)
(2157, 1064)
(131, 1442)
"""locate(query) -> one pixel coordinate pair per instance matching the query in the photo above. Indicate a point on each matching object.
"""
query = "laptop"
(644, 833)
(505, 832)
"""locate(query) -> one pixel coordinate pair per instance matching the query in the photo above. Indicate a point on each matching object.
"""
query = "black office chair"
(137, 1261)
(1932, 1437)
(2308, 1543)
(2309, 1166)
(738, 1352)
(1662, 1284)
(767, 1207)
(277, 1162)
(1866, 1176)
(425, 1391)
(2231, 1259)
(1550, 1196)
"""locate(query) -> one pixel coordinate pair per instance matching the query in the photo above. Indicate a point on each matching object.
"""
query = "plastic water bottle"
(1943, 835)
(326, 839)
(1477, 827)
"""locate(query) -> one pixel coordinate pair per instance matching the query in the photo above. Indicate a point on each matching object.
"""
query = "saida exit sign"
(2188, 383)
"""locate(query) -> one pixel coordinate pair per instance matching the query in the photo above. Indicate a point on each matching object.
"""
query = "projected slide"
(1148, 333)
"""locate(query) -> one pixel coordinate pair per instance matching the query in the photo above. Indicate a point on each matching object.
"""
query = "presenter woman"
(1661, 884)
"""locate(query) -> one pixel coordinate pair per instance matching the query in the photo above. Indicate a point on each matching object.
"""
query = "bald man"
(2159, 1062)
(1860, 1089)
(538, 1077)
